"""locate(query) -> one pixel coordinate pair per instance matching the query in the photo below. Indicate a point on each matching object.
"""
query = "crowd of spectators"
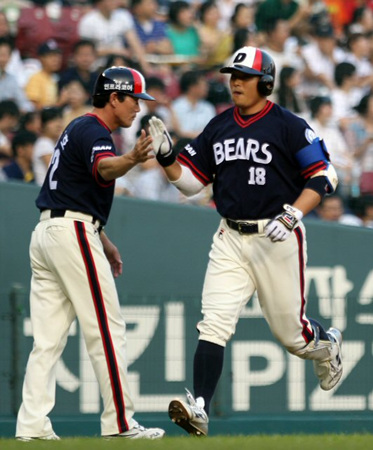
(52, 50)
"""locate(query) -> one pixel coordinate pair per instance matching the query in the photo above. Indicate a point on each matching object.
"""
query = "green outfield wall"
(165, 250)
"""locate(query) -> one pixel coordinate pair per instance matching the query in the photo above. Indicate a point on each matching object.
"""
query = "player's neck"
(104, 118)
(250, 110)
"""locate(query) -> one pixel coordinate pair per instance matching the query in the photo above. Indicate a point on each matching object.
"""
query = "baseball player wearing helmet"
(268, 169)
(74, 263)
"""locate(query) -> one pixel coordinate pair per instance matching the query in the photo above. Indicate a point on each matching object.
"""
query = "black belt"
(243, 227)
(57, 213)
(62, 212)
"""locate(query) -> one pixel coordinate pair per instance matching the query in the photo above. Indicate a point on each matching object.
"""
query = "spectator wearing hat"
(20, 168)
(51, 128)
(321, 55)
(42, 87)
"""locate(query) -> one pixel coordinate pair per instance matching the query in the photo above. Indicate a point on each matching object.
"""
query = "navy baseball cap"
(48, 47)
(324, 30)
(122, 79)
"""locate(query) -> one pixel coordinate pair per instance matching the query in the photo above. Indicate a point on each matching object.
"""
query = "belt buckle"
(240, 225)
(245, 227)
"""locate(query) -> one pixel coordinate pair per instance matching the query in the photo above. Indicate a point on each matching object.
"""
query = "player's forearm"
(187, 183)
(115, 167)
(173, 171)
(307, 201)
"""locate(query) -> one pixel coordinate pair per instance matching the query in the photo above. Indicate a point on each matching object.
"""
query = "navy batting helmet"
(121, 79)
(253, 61)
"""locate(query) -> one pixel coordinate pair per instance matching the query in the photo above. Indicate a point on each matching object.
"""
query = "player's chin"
(238, 99)
(126, 123)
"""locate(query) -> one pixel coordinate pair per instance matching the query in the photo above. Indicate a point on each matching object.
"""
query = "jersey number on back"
(257, 175)
(54, 164)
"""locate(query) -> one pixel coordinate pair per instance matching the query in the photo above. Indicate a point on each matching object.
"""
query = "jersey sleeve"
(309, 150)
(103, 148)
(197, 157)
(313, 160)
(312, 157)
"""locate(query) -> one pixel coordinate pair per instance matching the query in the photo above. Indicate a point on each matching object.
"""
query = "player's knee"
(288, 342)
(315, 350)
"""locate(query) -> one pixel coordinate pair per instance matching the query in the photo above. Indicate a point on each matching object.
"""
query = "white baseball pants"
(238, 265)
(71, 277)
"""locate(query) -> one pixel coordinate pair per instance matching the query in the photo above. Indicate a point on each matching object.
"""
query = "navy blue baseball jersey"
(72, 181)
(253, 161)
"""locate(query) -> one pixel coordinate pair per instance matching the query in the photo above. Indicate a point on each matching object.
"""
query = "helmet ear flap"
(265, 85)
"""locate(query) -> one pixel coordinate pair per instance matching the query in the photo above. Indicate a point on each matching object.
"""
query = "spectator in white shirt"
(321, 122)
(346, 95)
(9, 87)
(51, 128)
(282, 47)
(358, 55)
(192, 110)
(110, 28)
(321, 56)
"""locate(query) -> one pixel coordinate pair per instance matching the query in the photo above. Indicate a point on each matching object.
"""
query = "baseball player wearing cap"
(268, 169)
(73, 261)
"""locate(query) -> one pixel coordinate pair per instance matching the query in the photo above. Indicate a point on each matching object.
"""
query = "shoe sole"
(179, 415)
(29, 439)
(334, 381)
(338, 342)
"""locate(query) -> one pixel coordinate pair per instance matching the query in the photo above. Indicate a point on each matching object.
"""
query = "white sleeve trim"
(188, 183)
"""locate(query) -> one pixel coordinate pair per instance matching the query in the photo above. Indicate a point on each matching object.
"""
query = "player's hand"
(142, 150)
(112, 254)
(162, 142)
(280, 228)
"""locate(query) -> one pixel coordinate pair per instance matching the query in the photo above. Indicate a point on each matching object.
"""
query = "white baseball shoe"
(140, 432)
(330, 372)
(49, 437)
(191, 415)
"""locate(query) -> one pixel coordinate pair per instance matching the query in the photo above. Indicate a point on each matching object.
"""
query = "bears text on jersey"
(246, 149)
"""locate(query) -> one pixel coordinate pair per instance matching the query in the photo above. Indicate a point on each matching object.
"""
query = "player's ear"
(113, 99)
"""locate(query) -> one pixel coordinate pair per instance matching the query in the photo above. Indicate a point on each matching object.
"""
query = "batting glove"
(280, 228)
(162, 142)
